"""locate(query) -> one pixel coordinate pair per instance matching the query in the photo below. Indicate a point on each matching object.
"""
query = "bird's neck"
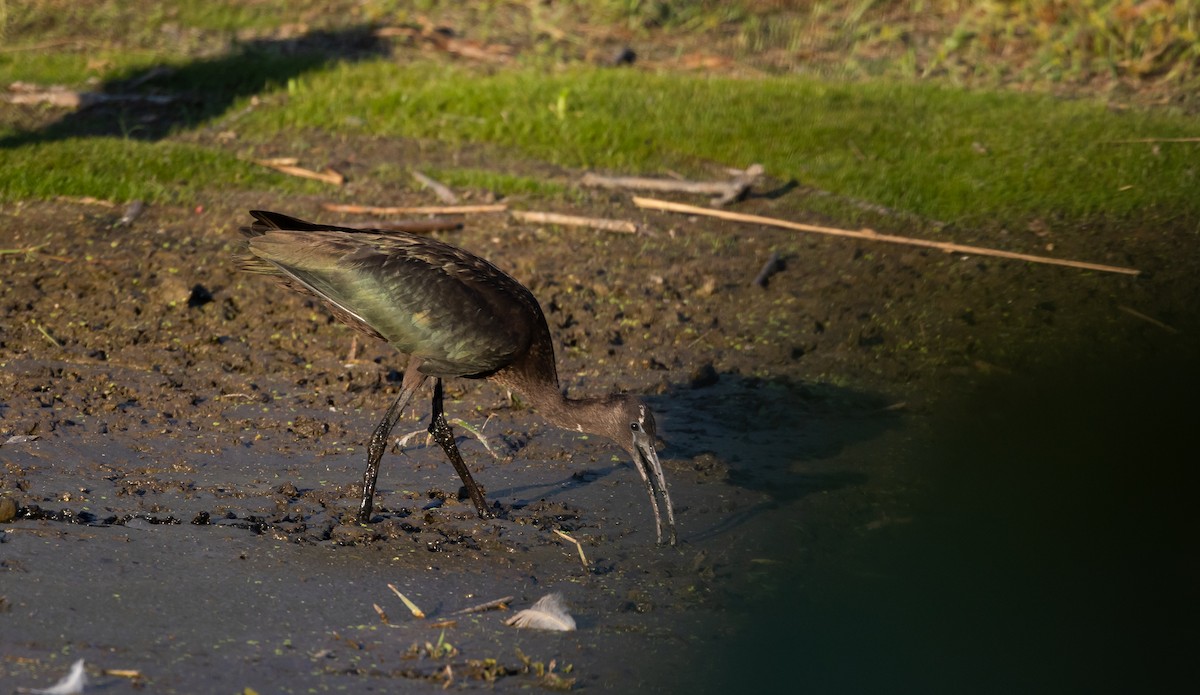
(589, 415)
(535, 377)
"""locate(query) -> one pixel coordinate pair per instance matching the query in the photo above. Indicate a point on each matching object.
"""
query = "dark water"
(1053, 547)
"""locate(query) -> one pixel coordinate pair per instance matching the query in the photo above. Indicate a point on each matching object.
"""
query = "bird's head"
(635, 430)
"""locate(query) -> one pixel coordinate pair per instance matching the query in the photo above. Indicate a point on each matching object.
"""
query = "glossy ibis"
(455, 315)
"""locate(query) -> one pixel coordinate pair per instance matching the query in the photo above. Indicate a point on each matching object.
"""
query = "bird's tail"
(267, 221)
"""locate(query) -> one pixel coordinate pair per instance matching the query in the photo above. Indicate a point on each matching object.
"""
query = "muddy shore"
(883, 456)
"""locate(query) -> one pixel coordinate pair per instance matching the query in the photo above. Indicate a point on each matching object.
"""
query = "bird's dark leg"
(379, 439)
(443, 435)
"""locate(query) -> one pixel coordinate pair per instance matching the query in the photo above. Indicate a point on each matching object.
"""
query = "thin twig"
(871, 235)
(130, 673)
(651, 184)
(439, 189)
(233, 395)
(328, 176)
(85, 200)
(500, 603)
(726, 191)
(27, 249)
(622, 226)
(578, 545)
(279, 161)
(773, 265)
(419, 210)
(58, 95)
(464, 48)
(1148, 319)
(403, 440)
(44, 45)
(738, 186)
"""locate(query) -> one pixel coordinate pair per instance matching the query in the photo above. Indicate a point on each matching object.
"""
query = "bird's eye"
(634, 426)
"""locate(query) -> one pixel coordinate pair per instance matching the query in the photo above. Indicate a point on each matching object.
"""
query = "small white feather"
(73, 684)
(547, 613)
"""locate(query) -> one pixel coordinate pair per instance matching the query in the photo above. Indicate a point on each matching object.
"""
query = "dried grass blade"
(417, 612)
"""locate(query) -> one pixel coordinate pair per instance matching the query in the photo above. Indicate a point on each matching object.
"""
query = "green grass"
(122, 170)
(942, 153)
(58, 68)
(926, 148)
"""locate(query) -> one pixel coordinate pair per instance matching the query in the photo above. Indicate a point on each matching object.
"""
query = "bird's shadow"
(150, 103)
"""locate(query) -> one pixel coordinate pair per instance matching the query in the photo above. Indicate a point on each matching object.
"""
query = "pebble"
(8, 510)
(704, 375)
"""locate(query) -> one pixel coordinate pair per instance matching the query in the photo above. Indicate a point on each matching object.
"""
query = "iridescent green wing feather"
(450, 308)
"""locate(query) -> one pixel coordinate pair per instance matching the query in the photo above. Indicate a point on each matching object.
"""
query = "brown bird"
(455, 315)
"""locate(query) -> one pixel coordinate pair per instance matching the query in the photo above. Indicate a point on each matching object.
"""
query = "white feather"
(72, 684)
(547, 613)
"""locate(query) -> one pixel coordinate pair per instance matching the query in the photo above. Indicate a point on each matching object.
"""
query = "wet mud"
(182, 450)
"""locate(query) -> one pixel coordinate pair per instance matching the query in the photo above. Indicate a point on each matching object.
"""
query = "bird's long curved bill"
(646, 461)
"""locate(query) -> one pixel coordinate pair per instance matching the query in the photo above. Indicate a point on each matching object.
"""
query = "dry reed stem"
(622, 226)
(871, 235)
(578, 546)
(418, 210)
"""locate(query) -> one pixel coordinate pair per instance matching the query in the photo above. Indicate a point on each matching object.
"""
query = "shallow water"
(1050, 547)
